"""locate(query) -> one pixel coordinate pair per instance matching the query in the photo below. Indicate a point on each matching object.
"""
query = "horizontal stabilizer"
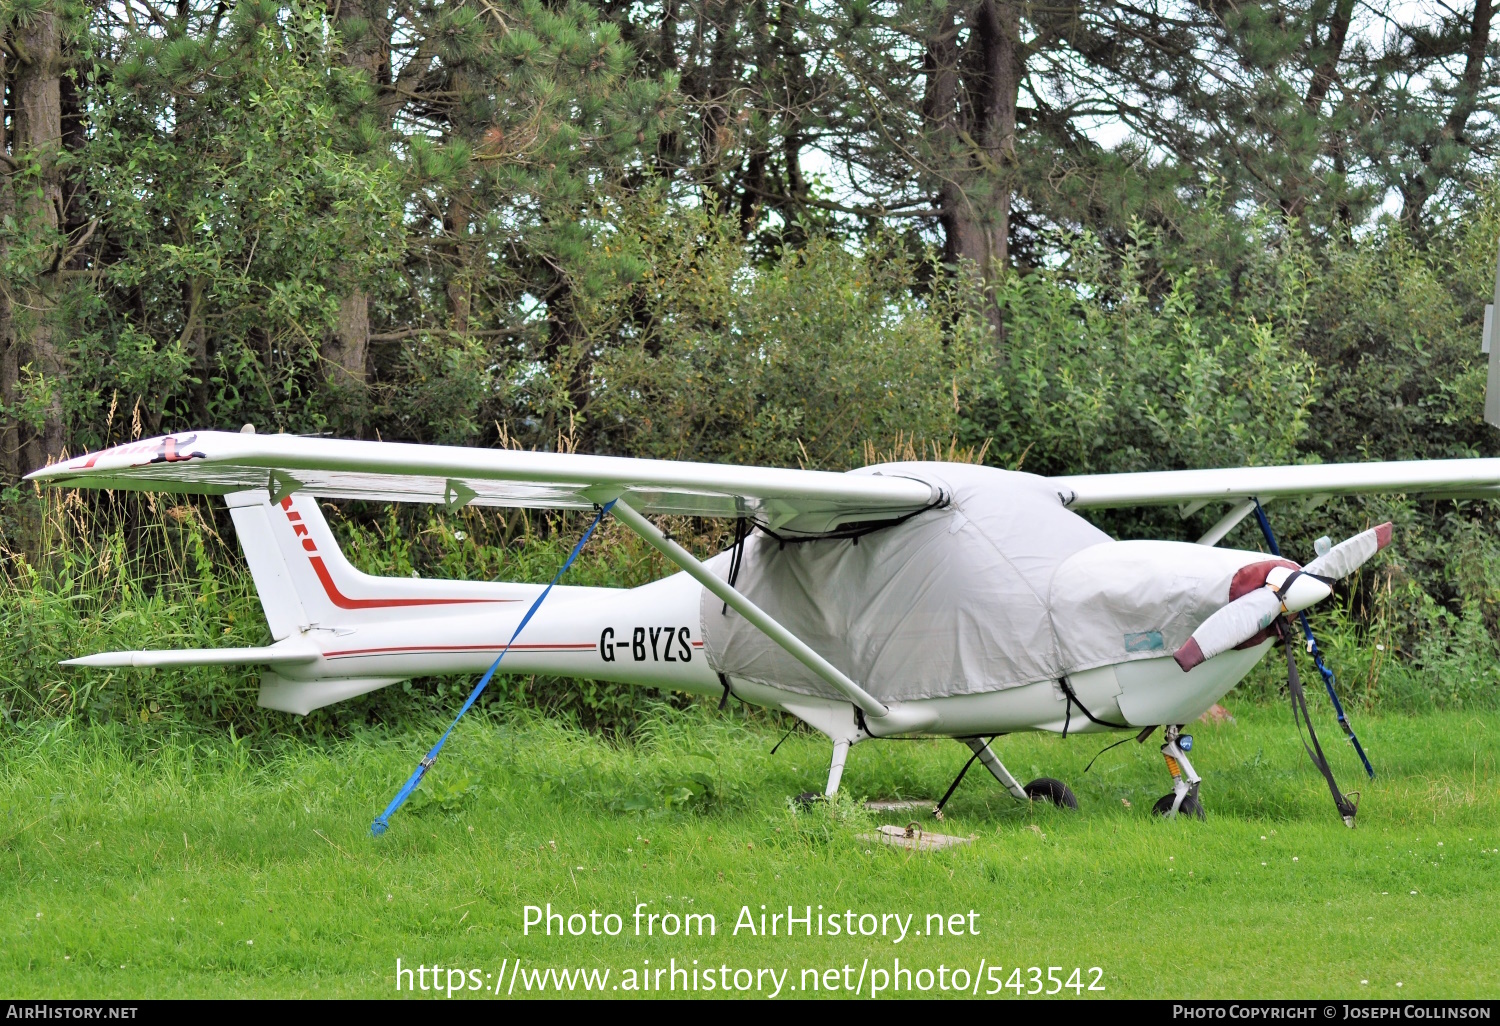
(275, 655)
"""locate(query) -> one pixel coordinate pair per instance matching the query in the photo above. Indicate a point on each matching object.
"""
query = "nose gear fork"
(1185, 779)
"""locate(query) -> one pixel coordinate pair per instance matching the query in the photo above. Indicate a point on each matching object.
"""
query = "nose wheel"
(1190, 806)
(1183, 801)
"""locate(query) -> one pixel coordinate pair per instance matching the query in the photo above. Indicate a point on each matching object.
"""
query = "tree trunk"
(1327, 55)
(939, 117)
(972, 125)
(10, 436)
(998, 26)
(719, 135)
(566, 353)
(1331, 52)
(38, 138)
(365, 25)
(346, 364)
(456, 227)
(195, 344)
(970, 113)
(1437, 160)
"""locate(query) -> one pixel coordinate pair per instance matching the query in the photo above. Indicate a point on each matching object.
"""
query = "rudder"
(305, 581)
(251, 512)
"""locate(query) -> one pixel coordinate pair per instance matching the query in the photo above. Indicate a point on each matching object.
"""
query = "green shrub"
(1146, 356)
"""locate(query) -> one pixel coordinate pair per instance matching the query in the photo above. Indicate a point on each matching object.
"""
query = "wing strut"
(798, 648)
(1228, 522)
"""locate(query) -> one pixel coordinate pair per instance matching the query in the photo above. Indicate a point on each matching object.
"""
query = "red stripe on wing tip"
(1383, 535)
(343, 601)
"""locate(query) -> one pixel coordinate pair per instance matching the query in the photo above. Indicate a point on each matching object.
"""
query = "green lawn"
(133, 865)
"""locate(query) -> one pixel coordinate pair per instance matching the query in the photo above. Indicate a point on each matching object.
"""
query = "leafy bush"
(1147, 358)
(1112, 364)
(795, 360)
(1143, 357)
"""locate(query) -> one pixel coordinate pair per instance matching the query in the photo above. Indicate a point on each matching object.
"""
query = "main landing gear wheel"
(1191, 806)
(1054, 791)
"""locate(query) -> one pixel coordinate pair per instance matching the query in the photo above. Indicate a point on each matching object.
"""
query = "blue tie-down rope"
(1315, 652)
(383, 821)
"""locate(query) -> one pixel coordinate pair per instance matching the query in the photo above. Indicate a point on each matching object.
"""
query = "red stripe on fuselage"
(343, 601)
(568, 646)
(582, 646)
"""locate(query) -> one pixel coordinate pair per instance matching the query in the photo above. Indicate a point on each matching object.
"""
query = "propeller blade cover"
(1234, 623)
(1286, 590)
(1348, 556)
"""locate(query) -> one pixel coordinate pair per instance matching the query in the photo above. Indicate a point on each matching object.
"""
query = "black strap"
(1312, 646)
(1300, 716)
(959, 779)
(856, 530)
(1062, 682)
(1286, 585)
(742, 529)
(724, 680)
(1106, 748)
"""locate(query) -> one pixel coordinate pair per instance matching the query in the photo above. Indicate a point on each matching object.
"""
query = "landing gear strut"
(981, 748)
(836, 767)
(1040, 789)
(1184, 797)
(835, 775)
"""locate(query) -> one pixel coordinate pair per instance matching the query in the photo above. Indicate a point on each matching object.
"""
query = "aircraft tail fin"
(253, 524)
(309, 592)
(305, 582)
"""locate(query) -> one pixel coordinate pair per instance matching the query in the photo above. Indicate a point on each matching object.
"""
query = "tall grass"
(103, 571)
(109, 571)
(223, 865)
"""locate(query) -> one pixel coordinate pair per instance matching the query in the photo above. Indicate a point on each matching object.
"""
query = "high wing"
(811, 501)
(1450, 479)
(218, 462)
(1191, 490)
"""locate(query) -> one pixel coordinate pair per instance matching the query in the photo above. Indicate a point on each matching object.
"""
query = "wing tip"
(1383, 535)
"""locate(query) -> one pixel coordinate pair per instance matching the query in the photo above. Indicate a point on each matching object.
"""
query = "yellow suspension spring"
(1173, 767)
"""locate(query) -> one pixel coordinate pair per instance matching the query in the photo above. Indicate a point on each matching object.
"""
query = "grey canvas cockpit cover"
(952, 602)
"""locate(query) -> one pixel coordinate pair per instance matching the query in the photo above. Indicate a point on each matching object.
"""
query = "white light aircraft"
(910, 599)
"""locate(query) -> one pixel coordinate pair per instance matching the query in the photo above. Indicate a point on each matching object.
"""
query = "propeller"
(1286, 590)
